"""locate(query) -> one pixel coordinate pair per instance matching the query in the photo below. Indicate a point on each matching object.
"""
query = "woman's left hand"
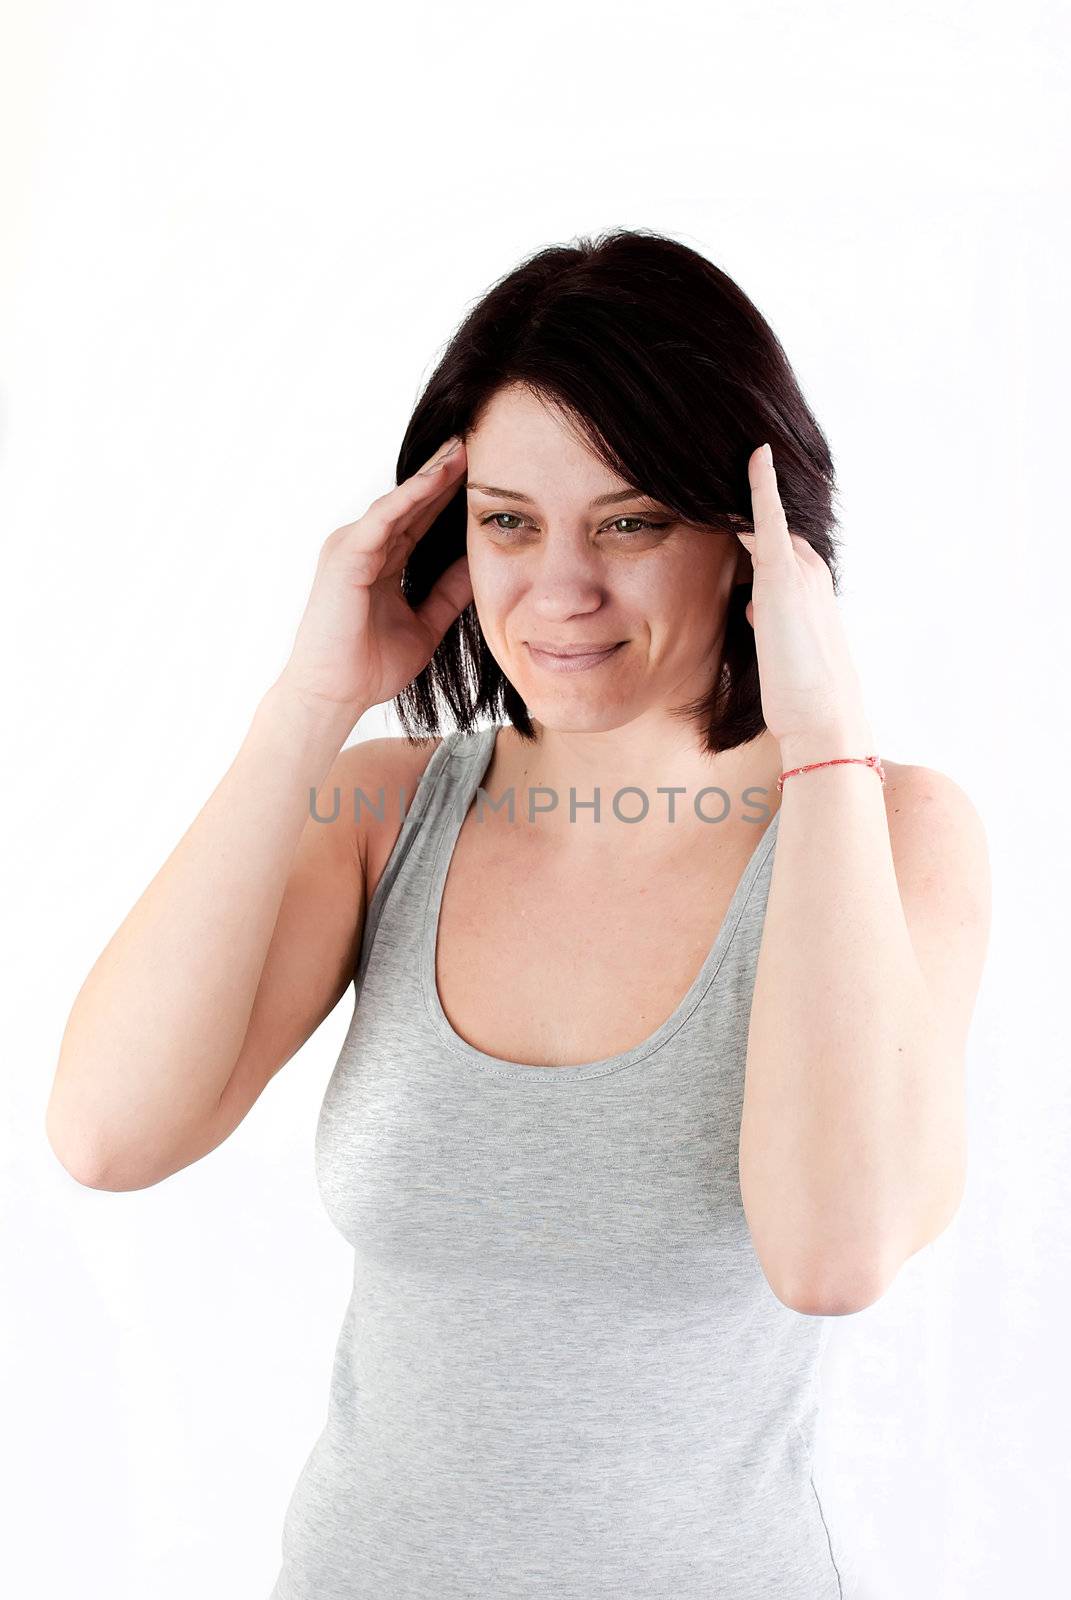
(809, 687)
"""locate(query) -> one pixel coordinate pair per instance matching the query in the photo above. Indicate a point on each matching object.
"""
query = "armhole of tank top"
(406, 834)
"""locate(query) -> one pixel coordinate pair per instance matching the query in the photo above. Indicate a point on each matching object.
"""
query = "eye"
(485, 521)
(644, 523)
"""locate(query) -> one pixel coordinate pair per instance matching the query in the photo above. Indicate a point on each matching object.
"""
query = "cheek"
(680, 610)
(494, 586)
(666, 597)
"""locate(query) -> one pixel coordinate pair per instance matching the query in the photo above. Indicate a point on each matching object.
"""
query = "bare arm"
(244, 940)
(158, 1026)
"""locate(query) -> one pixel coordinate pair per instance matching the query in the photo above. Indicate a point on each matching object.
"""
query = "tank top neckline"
(471, 754)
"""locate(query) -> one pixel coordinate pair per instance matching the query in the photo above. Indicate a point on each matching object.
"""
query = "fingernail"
(768, 453)
(432, 466)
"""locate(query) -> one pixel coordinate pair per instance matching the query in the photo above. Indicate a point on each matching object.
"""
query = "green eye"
(644, 523)
(495, 515)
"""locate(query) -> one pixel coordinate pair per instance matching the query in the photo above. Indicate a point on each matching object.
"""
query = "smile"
(555, 663)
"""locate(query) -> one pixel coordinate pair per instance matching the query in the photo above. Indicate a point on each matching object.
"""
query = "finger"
(399, 519)
(446, 601)
(771, 544)
(438, 478)
(451, 456)
(808, 555)
(442, 474)
(437, 457)
(406, 533)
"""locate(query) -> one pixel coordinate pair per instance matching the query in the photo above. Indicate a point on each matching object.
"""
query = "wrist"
(304, 717)
(827, 744)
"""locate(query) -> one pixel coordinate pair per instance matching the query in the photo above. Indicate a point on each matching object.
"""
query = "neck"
(645, 762)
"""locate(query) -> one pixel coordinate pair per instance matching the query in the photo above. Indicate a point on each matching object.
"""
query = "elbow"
(85, 1161)
(823, 1288)
(76, 1159)
(834, 1294)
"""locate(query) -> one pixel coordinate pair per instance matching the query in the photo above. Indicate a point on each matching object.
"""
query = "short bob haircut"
(673, 377)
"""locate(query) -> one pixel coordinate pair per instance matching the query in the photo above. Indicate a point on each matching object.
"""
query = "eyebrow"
(599, 500)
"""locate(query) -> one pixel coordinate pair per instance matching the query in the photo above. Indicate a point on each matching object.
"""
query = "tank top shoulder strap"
(446, 773)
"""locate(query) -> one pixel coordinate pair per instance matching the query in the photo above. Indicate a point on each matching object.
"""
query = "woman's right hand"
(360, 642)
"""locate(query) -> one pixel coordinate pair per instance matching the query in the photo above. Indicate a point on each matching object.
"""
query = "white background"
(236, 237)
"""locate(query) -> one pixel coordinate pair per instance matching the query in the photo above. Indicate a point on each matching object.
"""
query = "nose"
(566, 579)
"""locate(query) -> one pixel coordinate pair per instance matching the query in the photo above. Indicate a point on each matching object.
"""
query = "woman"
(662, 979)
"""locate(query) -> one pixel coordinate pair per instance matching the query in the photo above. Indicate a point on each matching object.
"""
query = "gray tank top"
(561, 1371)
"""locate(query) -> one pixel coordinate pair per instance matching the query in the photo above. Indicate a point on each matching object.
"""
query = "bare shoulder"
(941, 857)
(390, 756)
(935, 827)
(922, 802)
(387, 770)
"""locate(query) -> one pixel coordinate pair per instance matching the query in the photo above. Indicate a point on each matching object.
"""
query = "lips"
(553, 662)
(592, 649)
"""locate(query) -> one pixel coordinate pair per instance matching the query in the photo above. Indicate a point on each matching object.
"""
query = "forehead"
(528, 443)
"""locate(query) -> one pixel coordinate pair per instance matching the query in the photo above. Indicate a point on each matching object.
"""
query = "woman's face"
(549, 565)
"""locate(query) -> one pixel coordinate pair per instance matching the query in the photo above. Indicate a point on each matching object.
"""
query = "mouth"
(572, 661)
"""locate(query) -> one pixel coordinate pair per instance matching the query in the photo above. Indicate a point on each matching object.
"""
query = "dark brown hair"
(674, 378)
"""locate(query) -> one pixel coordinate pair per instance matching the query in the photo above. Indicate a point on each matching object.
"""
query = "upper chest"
(562, 959)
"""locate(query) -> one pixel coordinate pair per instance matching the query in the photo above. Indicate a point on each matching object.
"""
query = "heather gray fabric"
(561, 1372)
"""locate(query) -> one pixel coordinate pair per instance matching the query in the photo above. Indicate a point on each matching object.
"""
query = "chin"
(592, 718)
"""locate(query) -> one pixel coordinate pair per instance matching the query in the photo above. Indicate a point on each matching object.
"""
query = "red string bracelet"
(867, 761)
